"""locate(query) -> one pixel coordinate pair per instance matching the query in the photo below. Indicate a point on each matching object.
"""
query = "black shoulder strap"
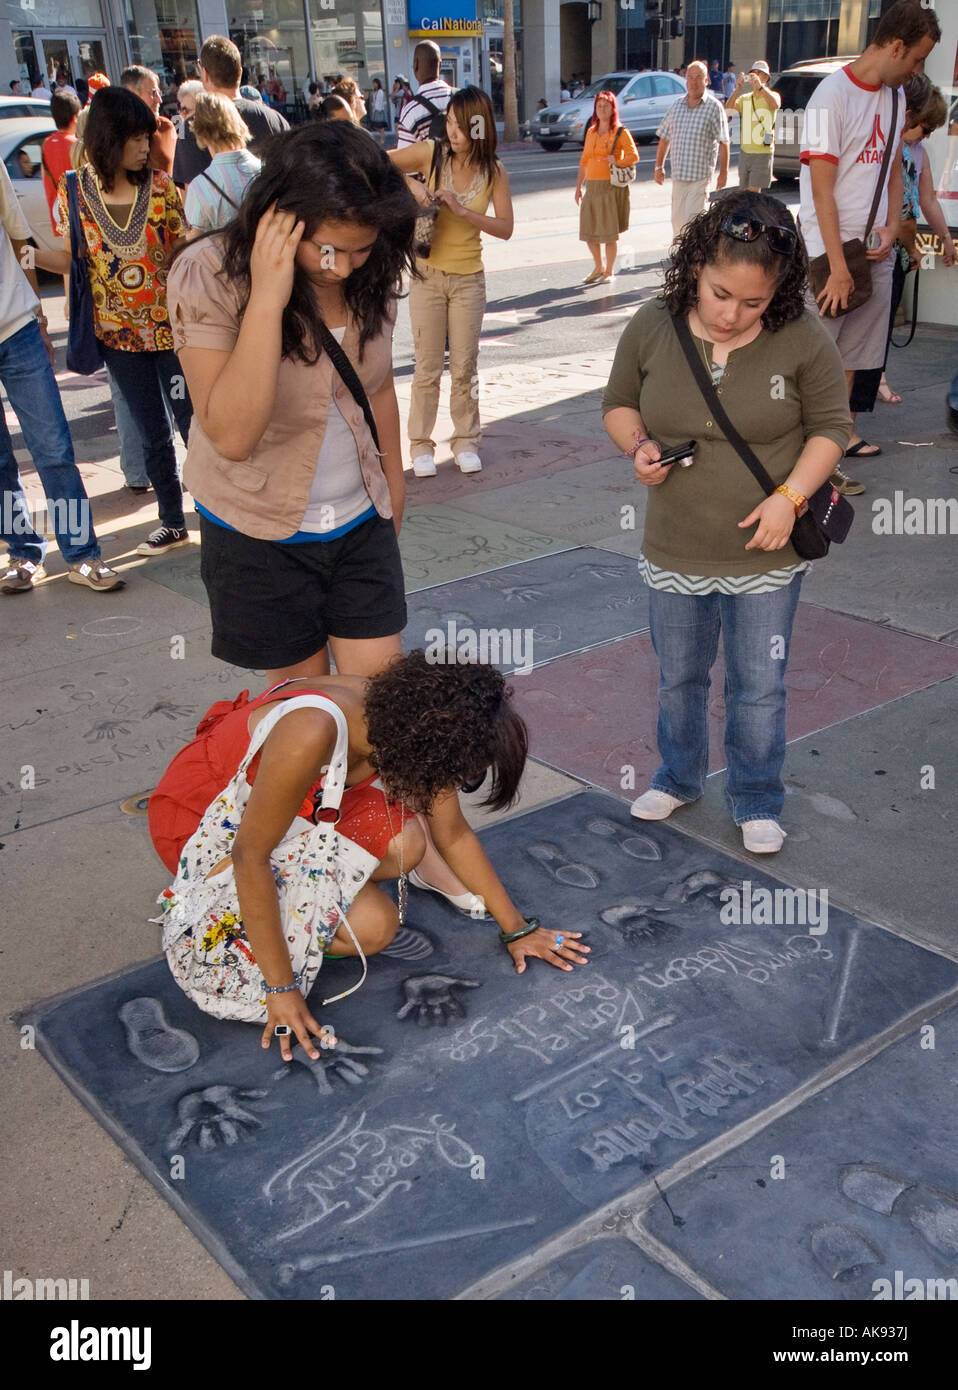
(348, 374)
(886, 157)
(430, 106)
(222, 191)
(707, 387)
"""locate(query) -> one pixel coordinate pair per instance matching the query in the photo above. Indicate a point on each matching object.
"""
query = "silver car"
(643, 98)
(795, 86)
(21, 143)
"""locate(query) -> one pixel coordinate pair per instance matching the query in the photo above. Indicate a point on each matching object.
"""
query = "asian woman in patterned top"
(132, 218)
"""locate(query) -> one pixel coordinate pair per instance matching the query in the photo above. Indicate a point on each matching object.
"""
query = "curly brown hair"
(432, 726)
(704, 243)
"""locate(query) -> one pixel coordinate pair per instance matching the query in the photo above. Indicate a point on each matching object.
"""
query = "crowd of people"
(257, 318)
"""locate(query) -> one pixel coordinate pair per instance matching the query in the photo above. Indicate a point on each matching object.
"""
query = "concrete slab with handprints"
(610, 1269)
(44, 633)
(440, 544)
(129, 709)
(838, 667)
(869, 813)
(584, 503)
(513, 452)
(533, 612)
(858, 1185)
(472, 1113)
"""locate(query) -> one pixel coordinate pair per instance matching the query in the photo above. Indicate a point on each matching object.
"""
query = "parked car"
(15, 108)
(795, 86)
(642, 97)
(21, 143)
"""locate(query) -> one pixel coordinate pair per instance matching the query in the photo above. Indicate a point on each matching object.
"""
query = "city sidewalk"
(99, 691)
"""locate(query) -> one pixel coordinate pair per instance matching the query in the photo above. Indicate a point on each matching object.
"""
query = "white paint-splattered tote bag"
(317, 872)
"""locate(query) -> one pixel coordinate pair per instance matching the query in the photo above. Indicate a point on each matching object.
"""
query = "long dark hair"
(704, 243)
(476, 118)
(116, 115)
(330, 171)
(432, 726)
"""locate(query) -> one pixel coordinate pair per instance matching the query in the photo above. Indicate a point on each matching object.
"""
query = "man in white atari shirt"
(847, 124)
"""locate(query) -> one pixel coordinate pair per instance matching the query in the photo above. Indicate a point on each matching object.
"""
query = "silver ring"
(282, 1030)
(559, 940)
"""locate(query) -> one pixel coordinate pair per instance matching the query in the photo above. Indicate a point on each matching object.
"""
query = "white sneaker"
(424, 466)
(762, 836)
(654, 805)
(469, 462)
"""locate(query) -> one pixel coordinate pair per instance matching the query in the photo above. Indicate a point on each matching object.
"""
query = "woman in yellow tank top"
(463, 176)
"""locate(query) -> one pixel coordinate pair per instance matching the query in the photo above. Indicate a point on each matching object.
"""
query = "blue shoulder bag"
(84, 354)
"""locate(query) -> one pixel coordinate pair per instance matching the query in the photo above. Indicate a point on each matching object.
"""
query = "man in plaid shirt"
(695, 129)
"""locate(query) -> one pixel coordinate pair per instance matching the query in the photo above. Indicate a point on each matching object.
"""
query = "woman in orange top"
(603, 205)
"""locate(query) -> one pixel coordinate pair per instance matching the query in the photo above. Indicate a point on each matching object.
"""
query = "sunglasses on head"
(782, 240)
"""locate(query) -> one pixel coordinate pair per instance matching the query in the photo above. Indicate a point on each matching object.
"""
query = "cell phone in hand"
(682, 454)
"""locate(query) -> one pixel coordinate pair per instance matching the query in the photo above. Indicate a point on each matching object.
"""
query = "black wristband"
(532, 924)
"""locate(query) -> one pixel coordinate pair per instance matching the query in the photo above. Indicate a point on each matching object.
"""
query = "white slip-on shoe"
(424, 466)
(466, 903)
(762, 836)
(469, 462)
(654, 805)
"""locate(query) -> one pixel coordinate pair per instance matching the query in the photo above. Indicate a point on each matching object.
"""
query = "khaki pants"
(689, 198)
(439, 305)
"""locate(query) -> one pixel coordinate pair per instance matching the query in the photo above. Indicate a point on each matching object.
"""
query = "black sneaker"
(162, 539)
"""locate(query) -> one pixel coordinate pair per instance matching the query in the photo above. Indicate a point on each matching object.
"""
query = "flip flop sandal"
(155, 1042)
(891, 397)
(551, 859)
(858, 450)
(635, 846)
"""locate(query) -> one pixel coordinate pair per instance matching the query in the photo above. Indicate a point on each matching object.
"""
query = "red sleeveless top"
(201, 770)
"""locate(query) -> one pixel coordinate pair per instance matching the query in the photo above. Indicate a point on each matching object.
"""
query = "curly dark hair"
(328, 171)
(432, 726)
(115, 116)
(704, 243)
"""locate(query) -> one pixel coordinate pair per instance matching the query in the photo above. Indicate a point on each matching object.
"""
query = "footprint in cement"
(551, 858)
(153, 1041)
(843, 1252)
(635, 846)
(933, 1213)
(831, 806)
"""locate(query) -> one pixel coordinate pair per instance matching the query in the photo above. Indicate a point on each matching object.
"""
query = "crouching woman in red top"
(286, 810)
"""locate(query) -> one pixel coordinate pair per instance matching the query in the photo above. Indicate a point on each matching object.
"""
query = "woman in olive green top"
(716, 553)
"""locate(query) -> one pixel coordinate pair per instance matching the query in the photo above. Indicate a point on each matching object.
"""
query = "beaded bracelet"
(284, 989)
(636, 445)
(532, 924)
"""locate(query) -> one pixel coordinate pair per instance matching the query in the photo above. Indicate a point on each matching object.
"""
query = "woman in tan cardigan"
(299, 509)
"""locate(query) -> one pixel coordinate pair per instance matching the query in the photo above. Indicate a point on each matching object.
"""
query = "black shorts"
(275, 605)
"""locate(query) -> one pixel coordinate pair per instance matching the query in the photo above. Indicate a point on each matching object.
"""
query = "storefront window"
(53, 14)
(348, 41)
(490, 12)
(164, 36)
(271, 39)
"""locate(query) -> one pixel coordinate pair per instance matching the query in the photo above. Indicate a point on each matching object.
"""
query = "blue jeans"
(756, 631)
(132, 462)
(144, 380)
(27, 378)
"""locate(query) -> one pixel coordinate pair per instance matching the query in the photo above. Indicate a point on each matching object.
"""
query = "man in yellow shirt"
(758, 107)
